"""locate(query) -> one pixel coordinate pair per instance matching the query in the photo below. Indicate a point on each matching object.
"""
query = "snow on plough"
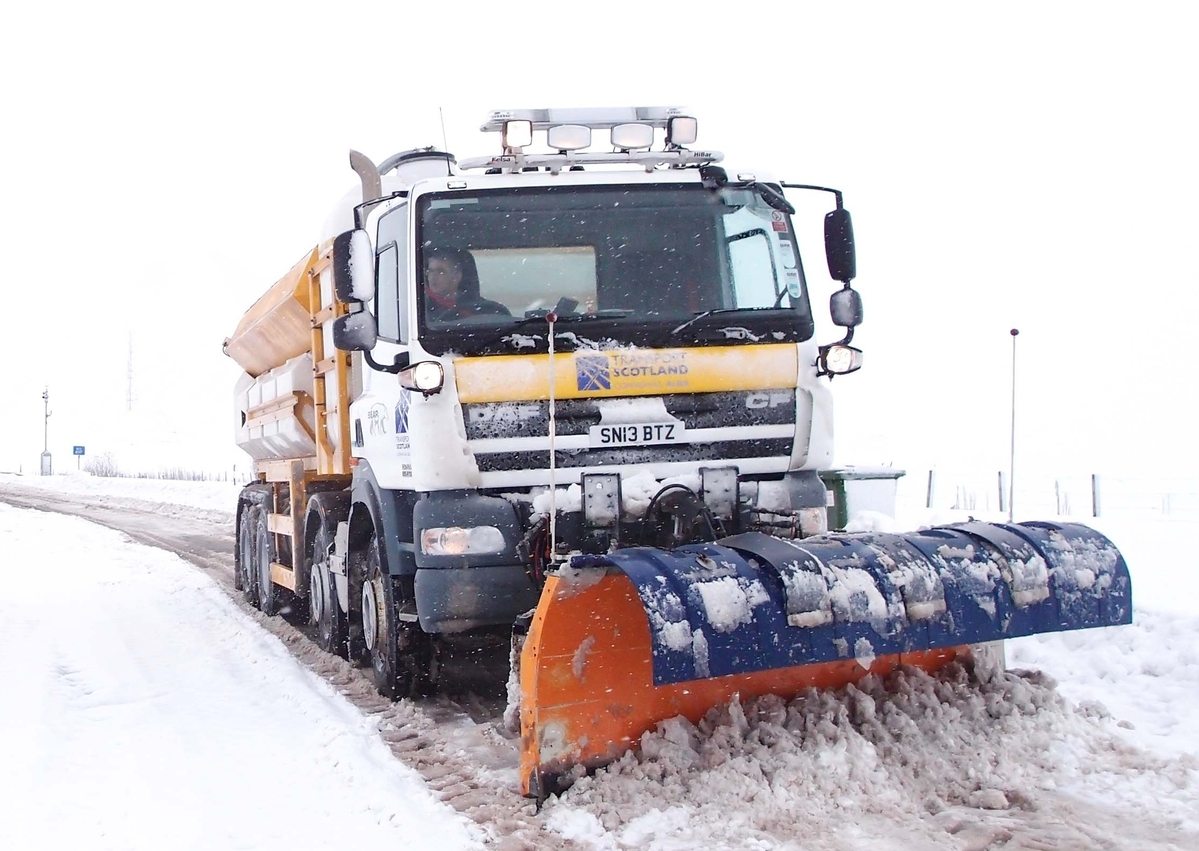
(622, 641)
(579, 391)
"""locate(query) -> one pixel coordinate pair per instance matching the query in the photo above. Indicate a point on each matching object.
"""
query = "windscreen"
(673, 265)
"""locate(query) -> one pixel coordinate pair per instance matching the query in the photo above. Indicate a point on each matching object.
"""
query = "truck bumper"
(455, 599)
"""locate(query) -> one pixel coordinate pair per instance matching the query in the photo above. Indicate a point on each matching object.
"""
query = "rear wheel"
(246, 579)
(268, 593)
(401, 655)
(324, 612)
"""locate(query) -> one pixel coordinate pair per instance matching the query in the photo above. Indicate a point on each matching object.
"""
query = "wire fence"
(1092, 495)
(979, 491)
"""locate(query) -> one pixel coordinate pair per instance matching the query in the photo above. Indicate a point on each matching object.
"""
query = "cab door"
(380, 412)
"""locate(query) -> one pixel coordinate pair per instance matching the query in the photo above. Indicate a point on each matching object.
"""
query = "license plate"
(637, 434)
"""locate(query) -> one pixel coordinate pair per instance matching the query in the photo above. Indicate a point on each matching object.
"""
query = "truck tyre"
(268, 594)
(324, 611)
(401, 655)
(246, 580)
(239, 550)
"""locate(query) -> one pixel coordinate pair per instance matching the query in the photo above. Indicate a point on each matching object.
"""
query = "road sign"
(77, 450)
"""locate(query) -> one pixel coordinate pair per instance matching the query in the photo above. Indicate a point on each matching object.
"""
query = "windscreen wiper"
(706, 313)
(539, 316)
(516, 325)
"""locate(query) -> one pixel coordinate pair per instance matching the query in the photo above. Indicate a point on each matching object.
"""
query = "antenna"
(445, 144)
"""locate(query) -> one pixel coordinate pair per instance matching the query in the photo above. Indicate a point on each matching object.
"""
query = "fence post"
(1057, 495)
(932, 481)
(1094, 495)
(1002, 493)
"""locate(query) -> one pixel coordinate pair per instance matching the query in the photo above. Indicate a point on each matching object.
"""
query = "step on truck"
(574, 391)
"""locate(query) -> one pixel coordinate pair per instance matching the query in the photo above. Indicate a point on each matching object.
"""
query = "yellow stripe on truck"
(627, 372)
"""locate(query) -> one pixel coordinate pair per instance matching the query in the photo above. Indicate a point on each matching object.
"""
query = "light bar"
(597, 118)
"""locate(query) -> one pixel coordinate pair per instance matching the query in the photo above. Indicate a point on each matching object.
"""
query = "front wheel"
(402, 656)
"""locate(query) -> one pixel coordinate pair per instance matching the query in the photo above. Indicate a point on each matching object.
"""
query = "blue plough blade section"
(753, 602)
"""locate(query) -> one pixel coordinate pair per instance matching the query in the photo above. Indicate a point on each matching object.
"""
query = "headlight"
(839, 360)
(456, 540)
(426, 376)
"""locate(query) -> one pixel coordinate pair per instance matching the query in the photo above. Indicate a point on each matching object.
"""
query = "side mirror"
(838, 246)
(846, 307)
(353, 266)
(355, 332)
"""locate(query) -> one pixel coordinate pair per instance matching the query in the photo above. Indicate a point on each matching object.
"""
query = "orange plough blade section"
(587, 686)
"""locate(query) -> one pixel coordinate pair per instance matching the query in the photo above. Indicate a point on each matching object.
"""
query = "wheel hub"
(316, 594)
(370, 615)
(264, 567)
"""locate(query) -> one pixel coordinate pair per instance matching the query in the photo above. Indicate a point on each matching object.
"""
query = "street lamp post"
(1011, 470)
(46, 423)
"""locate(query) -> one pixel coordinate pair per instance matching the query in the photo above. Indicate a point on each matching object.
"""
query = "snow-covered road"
(141, 707)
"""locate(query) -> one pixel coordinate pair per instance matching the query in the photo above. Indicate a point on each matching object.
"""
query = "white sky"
(1030, 165)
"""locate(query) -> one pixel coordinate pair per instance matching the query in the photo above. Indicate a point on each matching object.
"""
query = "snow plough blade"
(622, 641)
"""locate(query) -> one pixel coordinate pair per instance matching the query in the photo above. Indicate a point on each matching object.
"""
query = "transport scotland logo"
(402, 413)
(593, 373)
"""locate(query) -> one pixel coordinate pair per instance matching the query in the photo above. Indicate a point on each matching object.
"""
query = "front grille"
(490, 420)
(730, 420)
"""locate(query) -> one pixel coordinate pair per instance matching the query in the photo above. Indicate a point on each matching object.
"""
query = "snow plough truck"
(572, 392)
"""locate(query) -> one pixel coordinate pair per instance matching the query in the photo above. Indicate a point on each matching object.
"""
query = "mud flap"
(622, 641)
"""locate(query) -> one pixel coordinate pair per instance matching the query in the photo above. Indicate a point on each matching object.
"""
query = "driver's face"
(442, 276)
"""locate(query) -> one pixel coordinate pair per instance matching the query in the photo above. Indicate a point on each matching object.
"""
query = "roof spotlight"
(518, 134)
(568, 137)
(631, 137)
(681, 130)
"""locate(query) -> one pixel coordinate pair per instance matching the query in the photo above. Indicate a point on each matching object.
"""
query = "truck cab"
(564, 352)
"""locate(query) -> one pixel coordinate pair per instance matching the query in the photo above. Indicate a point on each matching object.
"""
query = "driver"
(452, 286)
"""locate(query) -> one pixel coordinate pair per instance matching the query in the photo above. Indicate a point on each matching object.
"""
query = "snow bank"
(217, 499)
(1143, 675)
(905, 750)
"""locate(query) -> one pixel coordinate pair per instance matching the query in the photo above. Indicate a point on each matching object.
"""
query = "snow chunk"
(863, 651)
(699, 648)
(808, 600)
(855, 596)
(563, 499)
(676, 635)
(639, 489)
(728, 602)
(1030, 580)
(578, 665)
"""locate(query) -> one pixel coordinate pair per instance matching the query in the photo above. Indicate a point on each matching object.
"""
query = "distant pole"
(46, 420)
(46, 469)
(1011, 474)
